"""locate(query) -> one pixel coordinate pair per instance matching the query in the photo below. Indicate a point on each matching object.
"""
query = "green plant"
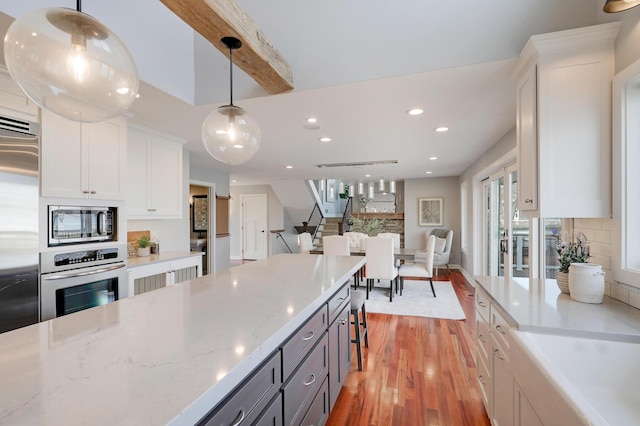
(344, 194)
(571, 252)
(370, 227)
(143, 241)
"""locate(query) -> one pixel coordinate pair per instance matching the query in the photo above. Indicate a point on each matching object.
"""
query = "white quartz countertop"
(133, 262)
(164, 356)
(539, 306)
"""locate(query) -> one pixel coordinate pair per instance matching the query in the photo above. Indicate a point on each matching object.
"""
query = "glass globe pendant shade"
(70, 64)
(231, 135)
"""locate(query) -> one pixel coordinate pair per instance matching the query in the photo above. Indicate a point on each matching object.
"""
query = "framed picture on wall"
(430, 211)
(200, 213)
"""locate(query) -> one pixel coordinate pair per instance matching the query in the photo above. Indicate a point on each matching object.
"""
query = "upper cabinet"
(83, 160)
(13, 102)
(564, 123)
(154, 176)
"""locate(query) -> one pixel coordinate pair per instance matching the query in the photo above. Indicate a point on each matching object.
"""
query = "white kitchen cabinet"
(83, 160)
(13, 102)
(154, 175)
(563, 123)
(524, 414)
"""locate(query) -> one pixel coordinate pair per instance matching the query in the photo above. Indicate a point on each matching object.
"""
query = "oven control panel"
(84, 256)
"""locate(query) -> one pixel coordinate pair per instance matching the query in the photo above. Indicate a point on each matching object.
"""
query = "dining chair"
(442, 252)
(337, 245)
(396, 243)
(420, 270)
(380, 263)
(306, 245)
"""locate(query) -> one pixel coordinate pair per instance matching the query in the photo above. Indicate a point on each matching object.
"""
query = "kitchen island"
(166, 356)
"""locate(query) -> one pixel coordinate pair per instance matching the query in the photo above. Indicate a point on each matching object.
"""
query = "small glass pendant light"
(392, 185)
(352, 189)
(230, 134)
(70, 64)
(360, 187)
(381, 185)
(340, 186)
(371, 190)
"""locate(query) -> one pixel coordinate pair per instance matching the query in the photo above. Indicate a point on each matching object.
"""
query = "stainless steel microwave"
(77, 225)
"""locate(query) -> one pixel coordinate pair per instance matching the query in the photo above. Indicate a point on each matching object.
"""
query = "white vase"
(143, 252)
(586, 282)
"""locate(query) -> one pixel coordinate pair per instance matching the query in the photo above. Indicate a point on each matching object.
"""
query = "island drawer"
(301, 389)
(248, 401)
(500, 328)
(302, 341)
(319, 411)
(337, 302)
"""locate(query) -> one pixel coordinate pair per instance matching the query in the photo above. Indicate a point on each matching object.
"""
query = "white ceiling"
(358, 67)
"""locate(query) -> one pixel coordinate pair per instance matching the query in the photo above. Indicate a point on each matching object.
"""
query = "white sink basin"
(198, 242)
(596, 379)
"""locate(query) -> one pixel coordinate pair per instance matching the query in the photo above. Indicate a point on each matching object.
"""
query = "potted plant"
(370, 227)
(143, 243)
(570, 252)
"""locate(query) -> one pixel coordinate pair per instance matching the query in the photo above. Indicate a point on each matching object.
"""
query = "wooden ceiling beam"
(215, 19)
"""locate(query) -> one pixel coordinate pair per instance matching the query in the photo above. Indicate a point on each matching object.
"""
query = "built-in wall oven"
(81, 224)
(77, 279)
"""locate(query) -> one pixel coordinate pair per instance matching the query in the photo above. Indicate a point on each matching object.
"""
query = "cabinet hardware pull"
(85, 191)
(92, 192)
(497, 353)
(500, 330)
(481, 379)
(481, 338)
(313, 379)
(481, 303)
(340, 300)
(344, 321)
(528, 200)
(309, 336)
(239, 420)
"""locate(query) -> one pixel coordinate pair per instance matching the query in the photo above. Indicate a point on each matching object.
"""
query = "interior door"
(254, 226)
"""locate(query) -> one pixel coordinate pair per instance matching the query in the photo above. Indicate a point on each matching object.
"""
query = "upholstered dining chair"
(355, 238)
(420, 270)
(305, 242)
(337, 245)
(442, 253)
(396, 243)
(380, 263)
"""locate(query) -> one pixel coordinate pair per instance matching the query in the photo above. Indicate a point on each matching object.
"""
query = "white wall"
(446, 187)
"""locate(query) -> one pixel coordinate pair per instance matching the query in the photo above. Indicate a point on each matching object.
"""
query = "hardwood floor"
(416, 371)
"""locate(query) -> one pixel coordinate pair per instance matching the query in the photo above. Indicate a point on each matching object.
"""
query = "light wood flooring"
(416, 371)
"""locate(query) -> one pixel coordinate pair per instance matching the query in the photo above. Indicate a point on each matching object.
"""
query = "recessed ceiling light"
(433, 158)
(367, 175)
(415, 111)
(441, 129)
(325, 139)
(312, 120)
(234, 181)
(429, 172)
(289, 167)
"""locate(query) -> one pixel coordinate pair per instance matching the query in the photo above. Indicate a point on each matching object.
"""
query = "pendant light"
(381, 185)
(340, 186)
(229, 133)
(360, 187)
(352, 189)
(70, 64)
(613, 6)
(371, 191)
(392, 185)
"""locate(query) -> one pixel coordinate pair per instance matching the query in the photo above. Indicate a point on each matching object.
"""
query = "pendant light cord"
(230, 75)
(79, 5)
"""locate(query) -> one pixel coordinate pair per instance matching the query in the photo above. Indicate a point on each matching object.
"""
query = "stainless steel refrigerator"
(19, 304)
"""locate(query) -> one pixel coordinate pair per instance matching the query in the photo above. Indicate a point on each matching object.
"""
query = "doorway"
(200, 220)
(254, 226)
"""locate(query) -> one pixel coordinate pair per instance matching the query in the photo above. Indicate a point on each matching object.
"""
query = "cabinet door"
(339, 352)
(137, 175)
(62, 154)
(104, 168)
(523, 411)
(165, 178)
(527, 136)
(502, 388)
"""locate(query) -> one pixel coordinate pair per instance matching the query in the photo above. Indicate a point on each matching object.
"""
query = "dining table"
(398, 253)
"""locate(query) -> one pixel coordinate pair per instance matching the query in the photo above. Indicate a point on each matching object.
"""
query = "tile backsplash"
(599, 233)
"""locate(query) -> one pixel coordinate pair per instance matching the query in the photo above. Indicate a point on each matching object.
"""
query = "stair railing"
(348, 209)
(315, 218)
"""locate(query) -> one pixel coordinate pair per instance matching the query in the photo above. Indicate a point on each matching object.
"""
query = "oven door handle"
(82, 274)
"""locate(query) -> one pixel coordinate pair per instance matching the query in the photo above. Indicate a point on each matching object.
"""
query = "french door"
(506, 235)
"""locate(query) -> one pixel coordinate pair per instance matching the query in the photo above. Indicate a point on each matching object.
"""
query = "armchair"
(442, 248)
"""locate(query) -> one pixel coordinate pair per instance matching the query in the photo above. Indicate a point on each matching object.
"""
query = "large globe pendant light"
(70, 64)
(229, 133)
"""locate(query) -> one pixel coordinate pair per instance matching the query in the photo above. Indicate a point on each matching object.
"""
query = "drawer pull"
(340, 300)
(308, 336)
(481, 338)
(343, 321)
(497, 353)
(239, 418)
(481, 303)
(500, 330)
(310, 382)
(481, 379)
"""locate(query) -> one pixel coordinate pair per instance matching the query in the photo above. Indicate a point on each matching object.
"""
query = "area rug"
(417, 300)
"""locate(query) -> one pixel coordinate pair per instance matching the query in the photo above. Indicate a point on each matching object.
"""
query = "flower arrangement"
(572, 252)
(370, 227)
